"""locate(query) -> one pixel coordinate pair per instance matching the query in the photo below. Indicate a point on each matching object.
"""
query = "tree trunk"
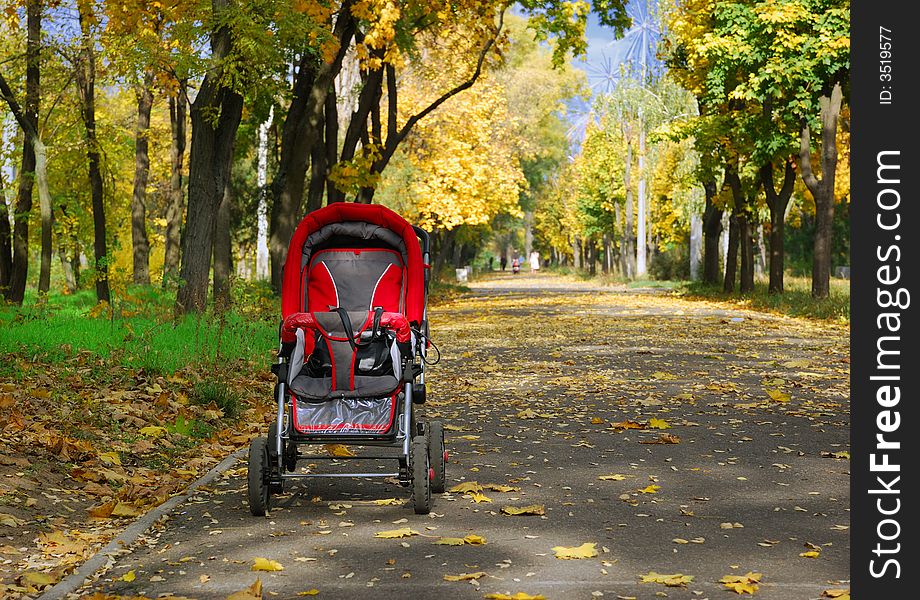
(222, 254)
(745, 233)
(576, 252)
(319, 165)
(628, 231)
(19, 267)
(642, 225)
(731, 256)
(175, 205)
(139, 243)
(6, 235)
(45, 214)
(777, 202)
(209, 169)
(86, 82)
(262, 261)
(823, 189)
(712, 231)
(302, 126)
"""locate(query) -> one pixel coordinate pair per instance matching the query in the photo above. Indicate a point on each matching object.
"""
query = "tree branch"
(402, 133)
(808, 175)
(7, 94)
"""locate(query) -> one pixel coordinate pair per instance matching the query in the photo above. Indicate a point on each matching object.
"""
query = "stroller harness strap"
(341, 354)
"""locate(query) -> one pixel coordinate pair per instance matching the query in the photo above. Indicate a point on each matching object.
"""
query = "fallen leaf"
(532, 509)
(110, 458)
(450, 541)
(810, 554)
(664, 438)
(627, 425)
(310, 592)
(586, 550)
(129, 576)
(466, 487)
(675, 580)
(840, 593)
(396, 533)
(658, 423)
(778, 395)
(479, 497)
(10, 520)
(153, 431)
(613, 477)
(842, 454)
(265, 564)
(388, 502)
(465, 576)
(340, 450)
(497, 487)
(253, 592)
(517, 596)
(650, 489)
(742, 584)
(474, 540)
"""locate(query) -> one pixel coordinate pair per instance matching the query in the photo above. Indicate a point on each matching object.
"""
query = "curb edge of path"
(133, 531)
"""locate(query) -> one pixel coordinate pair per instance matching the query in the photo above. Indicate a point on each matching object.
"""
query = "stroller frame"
(422, 456)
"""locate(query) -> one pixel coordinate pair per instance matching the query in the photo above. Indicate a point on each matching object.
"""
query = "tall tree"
(176, 199)
(777, 201)
(712, 231)
(139, 241)
(822, 189)
(27, 118)
(6, 235)
(215, 117)
(85, 67)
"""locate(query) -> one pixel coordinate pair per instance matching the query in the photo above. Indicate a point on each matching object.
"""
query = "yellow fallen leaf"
(658, 423)
(742, 584)
(469, 438)
(497, 487)
(663, 375)
(129, 576)
(395, 533)
(778, 395)
(387, 502)
(839, 593)
(266, 564)
(253, 592)
(153, 431)
(102, 511)
(450, 541)
(38, 579)
(627, 425)
(810, 554)
(110, 458)
(453, 428)
(597, 421)
(613, 477)
(650, 489)
(517, 596)
(311, 592)
(465, 576)
(797, 364)
(527, 414)
(675, 580)
(474, 540)
(479, 497)
(124, 509)
(340, 450)
(466, 487)
(532, 509)
(586, 550)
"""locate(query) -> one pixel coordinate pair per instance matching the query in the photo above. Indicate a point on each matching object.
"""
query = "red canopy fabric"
(339, 212)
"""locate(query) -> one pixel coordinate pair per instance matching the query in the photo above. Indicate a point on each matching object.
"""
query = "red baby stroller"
(352, 355)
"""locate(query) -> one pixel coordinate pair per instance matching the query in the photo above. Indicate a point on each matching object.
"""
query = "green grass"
(138, 332)
(226, 399)
(795, 301)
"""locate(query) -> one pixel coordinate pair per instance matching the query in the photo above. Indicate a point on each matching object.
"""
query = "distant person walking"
(504, 262)
(534, 261)
(491, 260)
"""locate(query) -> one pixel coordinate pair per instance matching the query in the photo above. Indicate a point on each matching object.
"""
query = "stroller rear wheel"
(437, 455)
(421, 475)
(258, 477)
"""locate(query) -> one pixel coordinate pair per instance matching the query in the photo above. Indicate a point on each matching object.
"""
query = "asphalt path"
(539, 377)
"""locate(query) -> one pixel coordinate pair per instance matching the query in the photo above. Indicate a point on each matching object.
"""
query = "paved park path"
(542, 383)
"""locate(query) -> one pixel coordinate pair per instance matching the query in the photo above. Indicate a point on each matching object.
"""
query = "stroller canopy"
(367, 223)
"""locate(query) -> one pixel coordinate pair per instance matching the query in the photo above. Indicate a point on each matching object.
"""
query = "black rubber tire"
(437, 456)
(421, 483)
(257, 477)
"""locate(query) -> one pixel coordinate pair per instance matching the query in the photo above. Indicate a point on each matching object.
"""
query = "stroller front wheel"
(257, 477)
(421, 475)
